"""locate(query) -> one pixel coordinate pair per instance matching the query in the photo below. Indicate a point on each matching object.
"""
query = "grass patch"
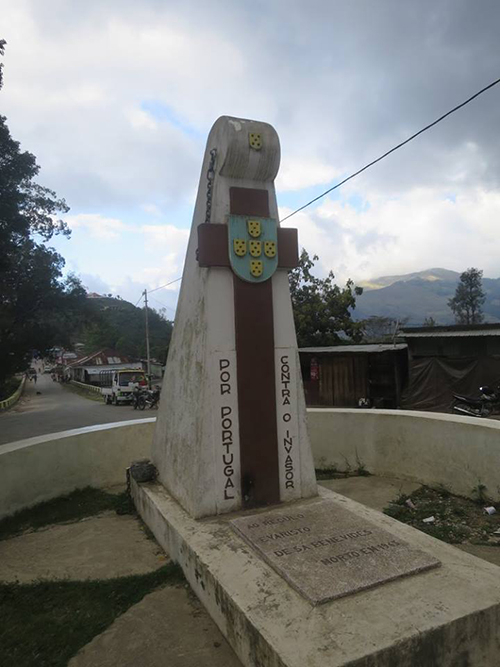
(77, 505)
(458, 520)
(46, 623)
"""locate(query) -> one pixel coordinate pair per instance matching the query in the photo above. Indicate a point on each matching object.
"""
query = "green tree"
(467, 304)
(117, 324)
(381, 329)
(429, 321)
(38, 309)
(322, 309)
(378, 329)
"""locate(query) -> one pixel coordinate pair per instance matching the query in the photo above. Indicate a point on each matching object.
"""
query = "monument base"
(443, 616)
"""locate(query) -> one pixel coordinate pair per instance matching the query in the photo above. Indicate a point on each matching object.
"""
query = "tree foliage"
(322, 309)
(467, 304)
(37, 308)
(117, 324)
(382, 329)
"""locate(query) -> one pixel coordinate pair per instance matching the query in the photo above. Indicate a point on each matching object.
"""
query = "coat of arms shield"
(253, 247)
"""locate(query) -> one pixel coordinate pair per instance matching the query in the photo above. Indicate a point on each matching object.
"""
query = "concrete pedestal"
(445, 617)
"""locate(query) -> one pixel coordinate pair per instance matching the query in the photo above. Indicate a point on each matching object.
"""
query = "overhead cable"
(162, 286)
(413, 136)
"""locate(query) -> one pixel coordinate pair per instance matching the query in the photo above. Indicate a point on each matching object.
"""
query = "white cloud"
(418, 230)
(168, 266)
(166, 236)
(297, 173)
(116, 99)
(96, 224)
(152, 209)
(141, 119)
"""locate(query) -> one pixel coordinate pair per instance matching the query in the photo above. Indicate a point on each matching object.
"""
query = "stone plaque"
(325, 551)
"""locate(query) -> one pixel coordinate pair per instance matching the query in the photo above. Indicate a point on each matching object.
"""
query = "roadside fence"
(92, 389)
(9, 402)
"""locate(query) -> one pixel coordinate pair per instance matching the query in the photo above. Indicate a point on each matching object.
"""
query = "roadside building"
(156, 368)
(353, 375)
(448, 359)
(88, 368)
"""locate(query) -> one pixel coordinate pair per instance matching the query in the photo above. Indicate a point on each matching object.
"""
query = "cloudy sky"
(116, 98)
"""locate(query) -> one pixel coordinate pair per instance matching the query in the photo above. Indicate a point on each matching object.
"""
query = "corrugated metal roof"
(363, 349)
(452, 334)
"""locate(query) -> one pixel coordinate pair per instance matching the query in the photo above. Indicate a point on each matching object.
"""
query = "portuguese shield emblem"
(253, 247)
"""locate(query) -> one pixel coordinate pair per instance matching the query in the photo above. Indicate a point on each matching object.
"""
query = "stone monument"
(231, 431)
(291, 574)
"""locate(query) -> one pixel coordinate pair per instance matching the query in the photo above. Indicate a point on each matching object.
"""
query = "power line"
(367, 166)
(413, 136)
(162, 304)
(157, 288)
(162, 286)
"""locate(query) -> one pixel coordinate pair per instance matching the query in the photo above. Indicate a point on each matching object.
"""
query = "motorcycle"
(149, 397)
(136, 396)
(488, 401)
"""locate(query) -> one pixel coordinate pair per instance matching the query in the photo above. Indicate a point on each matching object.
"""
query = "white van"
(117, 386)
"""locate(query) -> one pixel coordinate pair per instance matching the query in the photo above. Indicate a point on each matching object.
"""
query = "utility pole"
(147, 337)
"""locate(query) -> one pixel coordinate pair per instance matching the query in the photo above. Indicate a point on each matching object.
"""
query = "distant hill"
(419, 295)
(430, 274)
(114, 323)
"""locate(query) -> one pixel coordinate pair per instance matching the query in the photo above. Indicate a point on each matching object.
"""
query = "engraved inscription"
(226, 432)
(286, 403)
(325, 551)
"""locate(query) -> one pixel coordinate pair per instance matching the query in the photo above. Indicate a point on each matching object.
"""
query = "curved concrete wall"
(52, 465)
(430, 448)
(12, 400)
(434, 449)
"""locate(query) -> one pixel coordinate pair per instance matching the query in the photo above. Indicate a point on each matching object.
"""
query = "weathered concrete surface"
(50, 466)
(326, 551)
(198, 467)
(426, 447)
(56, 409)
(100, 547)
(440, 618)
(490, 554)
(168, 627)
(375, 492)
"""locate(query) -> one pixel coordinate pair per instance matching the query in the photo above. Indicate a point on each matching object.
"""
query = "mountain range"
(420, 295)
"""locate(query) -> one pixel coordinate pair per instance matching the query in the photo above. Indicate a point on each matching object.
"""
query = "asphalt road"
(57, 408)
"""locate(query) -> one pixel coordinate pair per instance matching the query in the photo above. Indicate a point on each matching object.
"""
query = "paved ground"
(168, 627)
(57, 408)
(376, 492)
(100, 547)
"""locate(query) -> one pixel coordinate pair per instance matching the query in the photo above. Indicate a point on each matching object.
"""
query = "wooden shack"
(450, 359)
(347, 375)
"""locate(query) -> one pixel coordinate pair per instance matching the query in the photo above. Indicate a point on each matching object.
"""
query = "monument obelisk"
(323, 580)
(231, 431)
